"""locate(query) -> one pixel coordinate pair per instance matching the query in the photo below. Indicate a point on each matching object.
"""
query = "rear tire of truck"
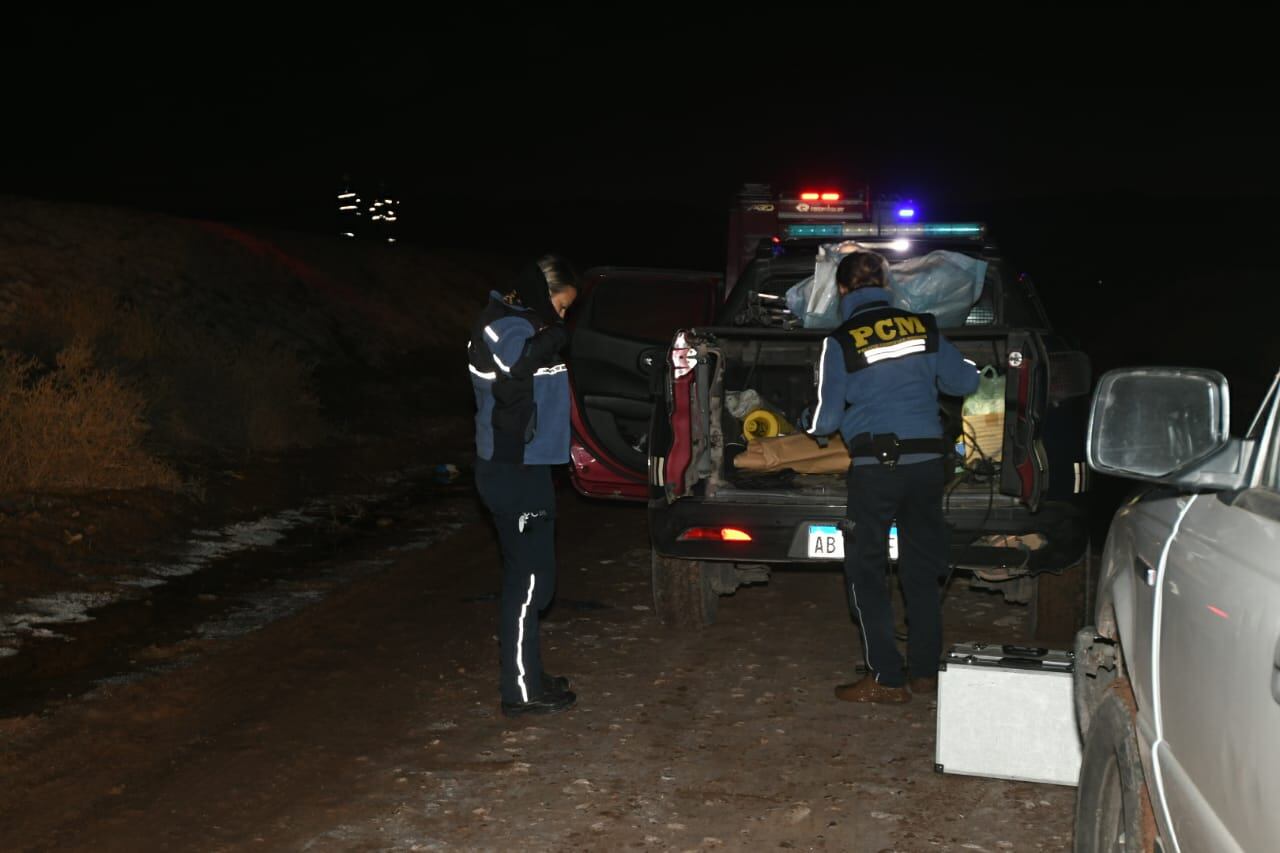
(682, 593)
(1059, 604)
(1113, 806)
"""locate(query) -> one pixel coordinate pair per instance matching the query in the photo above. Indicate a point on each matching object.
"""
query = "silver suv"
(1178, 682)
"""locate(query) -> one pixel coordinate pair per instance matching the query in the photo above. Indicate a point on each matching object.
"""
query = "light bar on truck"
(833, 229)
(868, 229)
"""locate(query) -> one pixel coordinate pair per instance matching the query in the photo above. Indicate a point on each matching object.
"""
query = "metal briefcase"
(1007, 712)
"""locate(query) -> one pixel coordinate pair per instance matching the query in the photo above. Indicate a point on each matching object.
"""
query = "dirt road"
(368, 720)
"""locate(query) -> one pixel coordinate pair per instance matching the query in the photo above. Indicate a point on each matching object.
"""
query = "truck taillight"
(684, 358)
(1070, 375)
(715, 534)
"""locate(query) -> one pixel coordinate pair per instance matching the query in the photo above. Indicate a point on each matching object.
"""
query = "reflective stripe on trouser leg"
(874, 491)
(524, 613)
(866, 644)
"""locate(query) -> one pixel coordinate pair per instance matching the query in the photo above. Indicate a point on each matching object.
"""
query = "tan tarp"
(798, 452)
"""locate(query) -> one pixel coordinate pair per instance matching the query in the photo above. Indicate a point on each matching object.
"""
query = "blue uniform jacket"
(521, 385)
(881, 372)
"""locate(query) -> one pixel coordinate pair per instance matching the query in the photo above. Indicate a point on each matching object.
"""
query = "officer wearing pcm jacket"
(878, 384)
(521, 387)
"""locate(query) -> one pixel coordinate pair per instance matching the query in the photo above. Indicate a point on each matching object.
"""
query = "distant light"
(391, 239)
(900, 245)
(831, 196)
(346, 195)
(377, 217)
(777, 239)
(906, 213)
(809, 196)
(1217, 611)
(347, 207)
(347, 234)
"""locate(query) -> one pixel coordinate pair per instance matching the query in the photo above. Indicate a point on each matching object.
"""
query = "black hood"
(531, 288)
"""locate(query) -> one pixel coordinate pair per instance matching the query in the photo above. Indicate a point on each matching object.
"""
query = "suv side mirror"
(1151, 423)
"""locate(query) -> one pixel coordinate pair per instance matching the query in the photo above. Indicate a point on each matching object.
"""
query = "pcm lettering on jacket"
(882, 369)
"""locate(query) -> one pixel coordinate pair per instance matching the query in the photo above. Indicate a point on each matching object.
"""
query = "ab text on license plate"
(826, 542)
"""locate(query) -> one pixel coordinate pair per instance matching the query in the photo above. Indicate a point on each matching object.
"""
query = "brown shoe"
(923, 686)
(867, 690)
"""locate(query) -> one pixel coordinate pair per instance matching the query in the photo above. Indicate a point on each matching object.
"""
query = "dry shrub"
(204, 386)
(255, 395)
(73, 427)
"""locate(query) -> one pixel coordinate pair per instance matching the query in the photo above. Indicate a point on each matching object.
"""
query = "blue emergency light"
(906, 213)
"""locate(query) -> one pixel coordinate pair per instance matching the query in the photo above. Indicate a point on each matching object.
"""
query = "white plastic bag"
(989, 398)
(822, 310)
(944, 284)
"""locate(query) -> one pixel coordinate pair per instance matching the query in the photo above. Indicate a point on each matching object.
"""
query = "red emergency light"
(810, 196)
(831, 196)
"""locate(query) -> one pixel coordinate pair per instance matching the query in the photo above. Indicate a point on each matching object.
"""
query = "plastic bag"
(822, 298)
(944, 284)
(740, 403)
(798, 297)
(983, 419)
(989, 398)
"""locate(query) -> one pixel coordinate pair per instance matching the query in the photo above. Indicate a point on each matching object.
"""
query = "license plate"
(826, 542)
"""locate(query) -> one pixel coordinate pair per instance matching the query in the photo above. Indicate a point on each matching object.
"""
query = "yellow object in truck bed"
(762, 423)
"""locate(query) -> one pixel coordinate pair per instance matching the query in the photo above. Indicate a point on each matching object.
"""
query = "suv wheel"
(683, 595)
(1113, 807)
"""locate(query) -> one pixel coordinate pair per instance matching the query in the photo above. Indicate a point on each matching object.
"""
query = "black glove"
(541, 350)
(549, 341)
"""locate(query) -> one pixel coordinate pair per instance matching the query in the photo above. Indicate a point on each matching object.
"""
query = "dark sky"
(234, 113)
(1141, 188)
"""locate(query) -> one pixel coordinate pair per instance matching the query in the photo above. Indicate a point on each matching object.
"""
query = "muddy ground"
(326, 692)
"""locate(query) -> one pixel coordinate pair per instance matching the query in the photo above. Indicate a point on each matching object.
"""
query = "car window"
(649, 310)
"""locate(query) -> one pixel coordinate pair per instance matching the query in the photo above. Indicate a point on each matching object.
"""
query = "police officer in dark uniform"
(521, 385)
(878, 384)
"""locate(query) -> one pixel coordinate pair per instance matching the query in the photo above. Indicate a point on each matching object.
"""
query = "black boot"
(549, 702)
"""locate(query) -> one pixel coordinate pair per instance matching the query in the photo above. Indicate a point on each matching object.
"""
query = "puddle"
(216, 585)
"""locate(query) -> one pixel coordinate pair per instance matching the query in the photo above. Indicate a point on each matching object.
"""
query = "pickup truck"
(658, 356)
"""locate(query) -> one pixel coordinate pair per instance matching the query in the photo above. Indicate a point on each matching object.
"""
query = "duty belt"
(886, 448)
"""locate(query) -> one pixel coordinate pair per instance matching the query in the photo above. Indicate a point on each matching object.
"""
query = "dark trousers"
(912, 494)
(513, 492)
